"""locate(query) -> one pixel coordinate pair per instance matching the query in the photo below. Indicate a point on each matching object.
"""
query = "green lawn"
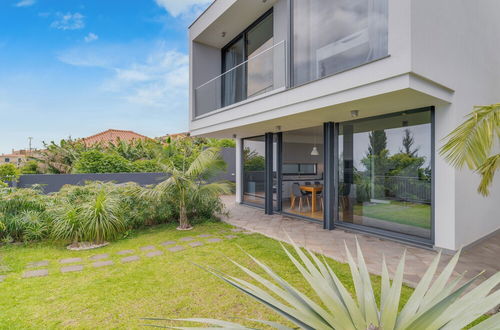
(418, 215)
(118, 296)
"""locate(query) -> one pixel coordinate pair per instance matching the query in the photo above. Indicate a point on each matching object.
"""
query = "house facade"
(339, 108)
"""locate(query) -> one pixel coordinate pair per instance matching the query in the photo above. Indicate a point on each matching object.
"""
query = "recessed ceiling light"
(354, 113)
(223, 34)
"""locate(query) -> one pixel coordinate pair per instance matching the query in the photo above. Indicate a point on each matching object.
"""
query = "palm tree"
(471, 144)
(188, 186)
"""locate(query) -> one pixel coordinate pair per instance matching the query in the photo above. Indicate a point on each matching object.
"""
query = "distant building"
(17, 157)
(174, 136)
(112, 136)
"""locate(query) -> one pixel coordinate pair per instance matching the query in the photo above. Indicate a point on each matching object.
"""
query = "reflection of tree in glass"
(253, 161)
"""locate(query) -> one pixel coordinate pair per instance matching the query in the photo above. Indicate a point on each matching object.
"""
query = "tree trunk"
(183, 219)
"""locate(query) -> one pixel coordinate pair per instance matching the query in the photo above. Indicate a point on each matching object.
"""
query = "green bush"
(8, 172)
(31, 167)
(147, 166)
(95, 161)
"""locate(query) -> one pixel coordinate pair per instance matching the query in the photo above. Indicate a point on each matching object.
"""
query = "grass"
(412, 214)
(168, 286)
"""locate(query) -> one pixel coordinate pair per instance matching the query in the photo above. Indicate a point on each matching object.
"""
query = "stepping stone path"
(195, 244)
(37, 264)
(124, 252)
(36, 273)
(104, 263)
(176, 248)
(72, 268)
(148, 248)
(2, 278)
(214, 240)
(168, 243)
(130, 259)
(4, 269)
(70, 260)
(100, 256)
(204, 235)
(231, 236)
(237, 230)
(154, 254)
(186, 239)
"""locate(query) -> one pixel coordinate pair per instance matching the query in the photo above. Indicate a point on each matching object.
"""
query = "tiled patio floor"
(483, 256)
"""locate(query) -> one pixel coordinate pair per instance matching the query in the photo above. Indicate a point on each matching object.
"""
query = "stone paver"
(130, 259)
(148, 248)
(204, 235)
(103, 263)
(231, 236)
(100, 256)
(36, 273)
(36, 264)
(70, 260)
(214, 240)
(168, 243)
(482, 256)
(71, 269)
(195, 244)
(176, 248)
(4, 269)
(2, 278)
(124, 252)
(186, 239)
(154, 254)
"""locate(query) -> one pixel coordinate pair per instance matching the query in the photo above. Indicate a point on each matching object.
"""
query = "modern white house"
(339, 108)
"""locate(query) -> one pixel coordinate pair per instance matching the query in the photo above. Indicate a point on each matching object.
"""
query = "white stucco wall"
(457, 43)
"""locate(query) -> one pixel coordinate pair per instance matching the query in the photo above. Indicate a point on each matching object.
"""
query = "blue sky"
(77, 67)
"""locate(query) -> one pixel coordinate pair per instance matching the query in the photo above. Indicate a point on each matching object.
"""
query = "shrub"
(146, 166)
(8, 172)
(31, 167)
(95, 161)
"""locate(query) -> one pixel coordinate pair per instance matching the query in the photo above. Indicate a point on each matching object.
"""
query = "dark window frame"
(299, 166)
(243, 35)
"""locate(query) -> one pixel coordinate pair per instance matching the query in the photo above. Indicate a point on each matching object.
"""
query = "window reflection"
(385, 173)
(331, 36)
(254, 165)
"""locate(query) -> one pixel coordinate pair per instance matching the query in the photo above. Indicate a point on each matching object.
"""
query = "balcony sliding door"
(247, 63)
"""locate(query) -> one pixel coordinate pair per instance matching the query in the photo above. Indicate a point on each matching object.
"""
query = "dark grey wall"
(54, 182)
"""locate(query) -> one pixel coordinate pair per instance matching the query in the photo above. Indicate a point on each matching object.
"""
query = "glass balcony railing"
(260, 74)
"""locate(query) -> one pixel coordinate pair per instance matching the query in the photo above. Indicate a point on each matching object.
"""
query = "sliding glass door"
(247, 63)
(385, 173)
(254, 175)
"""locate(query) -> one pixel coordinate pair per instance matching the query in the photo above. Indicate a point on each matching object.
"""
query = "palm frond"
(487, 171)
(207, 164)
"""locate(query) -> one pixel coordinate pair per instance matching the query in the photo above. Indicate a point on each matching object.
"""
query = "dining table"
(313, 189)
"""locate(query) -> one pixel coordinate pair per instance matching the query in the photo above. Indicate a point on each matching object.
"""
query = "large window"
(254, 175)
(331, 36)
(385, 171)
(255, 76)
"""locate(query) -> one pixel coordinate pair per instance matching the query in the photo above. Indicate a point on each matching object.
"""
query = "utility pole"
(29, 150)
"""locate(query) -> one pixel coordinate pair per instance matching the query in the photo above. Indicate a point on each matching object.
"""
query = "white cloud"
(91, 37)
(68, 21)
(25, 3)
(188, 8)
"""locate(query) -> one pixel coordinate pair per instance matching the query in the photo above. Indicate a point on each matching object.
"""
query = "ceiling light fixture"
(223, 34)
(354, 113)
(315, 151)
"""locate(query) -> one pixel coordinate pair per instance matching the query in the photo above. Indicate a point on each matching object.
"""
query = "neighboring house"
(174, 136)
(112, 136)
(17, 157)
(339, 108)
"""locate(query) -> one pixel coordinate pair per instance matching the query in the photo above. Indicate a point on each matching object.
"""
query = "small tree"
(472, 142)
(187, 187)
(408, 142)
(8, 172)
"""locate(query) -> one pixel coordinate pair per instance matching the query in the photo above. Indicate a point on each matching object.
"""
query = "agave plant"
(442, 303)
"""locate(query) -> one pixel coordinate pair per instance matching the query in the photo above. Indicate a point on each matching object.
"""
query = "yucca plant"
(188, 186)
(471, 144)
(442, 303)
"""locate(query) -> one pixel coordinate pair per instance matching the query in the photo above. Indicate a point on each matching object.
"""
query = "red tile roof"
(113, 135)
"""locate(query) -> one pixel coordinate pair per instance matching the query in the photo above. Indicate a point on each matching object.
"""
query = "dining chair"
(297, 193)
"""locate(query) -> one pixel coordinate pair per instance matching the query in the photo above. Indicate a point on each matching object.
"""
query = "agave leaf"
(424, 320)
(349, 303)
(389, 311)
(413, 303)
(371, 312)
(265, 299)
(471, 305)
(324, 291)
(489, 324)
(356, 278)
(385, 284)
(291, 295)
(440, 282)
(275, 325)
